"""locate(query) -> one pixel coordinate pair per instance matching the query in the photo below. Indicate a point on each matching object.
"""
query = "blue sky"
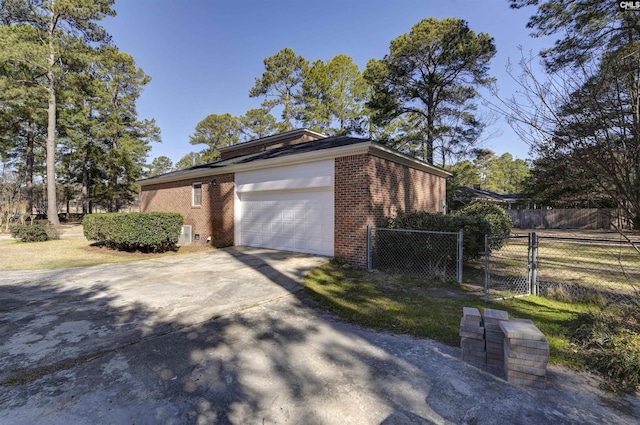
(204, 55)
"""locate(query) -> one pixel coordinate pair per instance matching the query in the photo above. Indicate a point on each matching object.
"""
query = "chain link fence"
(419, 253)
(565, 268)
(588, 270)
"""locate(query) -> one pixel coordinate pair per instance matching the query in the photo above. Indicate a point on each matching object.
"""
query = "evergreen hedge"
(473, 227)
(145, 232)
(38, 231)
(500, 220)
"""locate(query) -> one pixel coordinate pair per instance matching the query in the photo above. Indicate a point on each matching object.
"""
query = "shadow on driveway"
(229, 337)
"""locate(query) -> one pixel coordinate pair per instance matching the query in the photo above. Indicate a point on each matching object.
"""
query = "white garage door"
(292, 221)
(288, 207)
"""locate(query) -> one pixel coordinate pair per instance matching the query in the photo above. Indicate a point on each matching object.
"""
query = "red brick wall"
(217, 201)
(239, 150)
(352, 209)
(222, 210)
(368, 189)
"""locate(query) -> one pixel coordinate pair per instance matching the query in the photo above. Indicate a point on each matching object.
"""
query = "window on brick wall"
(196, 199)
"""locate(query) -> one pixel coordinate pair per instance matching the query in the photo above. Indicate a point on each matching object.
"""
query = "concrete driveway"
(227, 337)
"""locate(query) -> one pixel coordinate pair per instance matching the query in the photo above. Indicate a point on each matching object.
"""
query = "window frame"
(193, 194)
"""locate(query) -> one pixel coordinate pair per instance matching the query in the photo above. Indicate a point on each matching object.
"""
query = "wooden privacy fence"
(569, 218)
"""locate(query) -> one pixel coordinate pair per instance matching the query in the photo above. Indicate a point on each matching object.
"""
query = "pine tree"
(216, 131)
(59, 24)
(280, 84)
(430, 76)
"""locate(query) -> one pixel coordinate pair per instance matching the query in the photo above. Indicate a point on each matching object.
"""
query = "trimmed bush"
(145, 232)
(36, 232)
(474, 228)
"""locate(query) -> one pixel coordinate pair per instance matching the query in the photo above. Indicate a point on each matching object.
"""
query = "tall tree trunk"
(52, 202)
(112, 170)
(113, 203)
(287, 112)
(431, 123)
(85, 182)
(29, 159)
(635, 106)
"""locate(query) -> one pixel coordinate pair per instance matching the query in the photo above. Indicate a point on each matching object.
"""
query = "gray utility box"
(186, 235)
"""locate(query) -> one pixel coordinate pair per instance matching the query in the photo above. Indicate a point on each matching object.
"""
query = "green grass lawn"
(431, 308)
(613, 267)
(69, 252)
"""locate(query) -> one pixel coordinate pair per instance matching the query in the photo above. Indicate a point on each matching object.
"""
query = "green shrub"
(501, 223)
(146, 232)
(37, 232)
(610, 343)
(473, 227)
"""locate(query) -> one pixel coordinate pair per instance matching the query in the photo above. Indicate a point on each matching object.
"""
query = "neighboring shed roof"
(326, 144)
(487, 195)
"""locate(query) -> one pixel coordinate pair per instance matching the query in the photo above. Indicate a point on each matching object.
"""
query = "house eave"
(331, 153)
(386, 153)
(319, 155)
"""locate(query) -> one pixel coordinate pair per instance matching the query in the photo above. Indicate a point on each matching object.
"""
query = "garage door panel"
(299, 244)
(276, 228)
(300, 211)
(250, 239)
(296, 220)
(288, 230)
(288, 213)
(313, 230)
(314, 215)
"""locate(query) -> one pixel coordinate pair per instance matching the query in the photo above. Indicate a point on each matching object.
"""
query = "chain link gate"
(509, 266)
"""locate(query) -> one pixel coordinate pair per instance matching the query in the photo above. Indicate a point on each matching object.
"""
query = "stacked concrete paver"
(494, 336)
(526, 353)
(472, 336)
(516, 345)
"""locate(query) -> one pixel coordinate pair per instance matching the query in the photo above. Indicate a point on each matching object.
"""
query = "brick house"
(297, 191)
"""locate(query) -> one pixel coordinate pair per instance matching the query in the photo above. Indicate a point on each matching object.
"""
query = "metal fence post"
(368, 247)
(460, 252)
(534, 263)
(486, 268)
(529, 268)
